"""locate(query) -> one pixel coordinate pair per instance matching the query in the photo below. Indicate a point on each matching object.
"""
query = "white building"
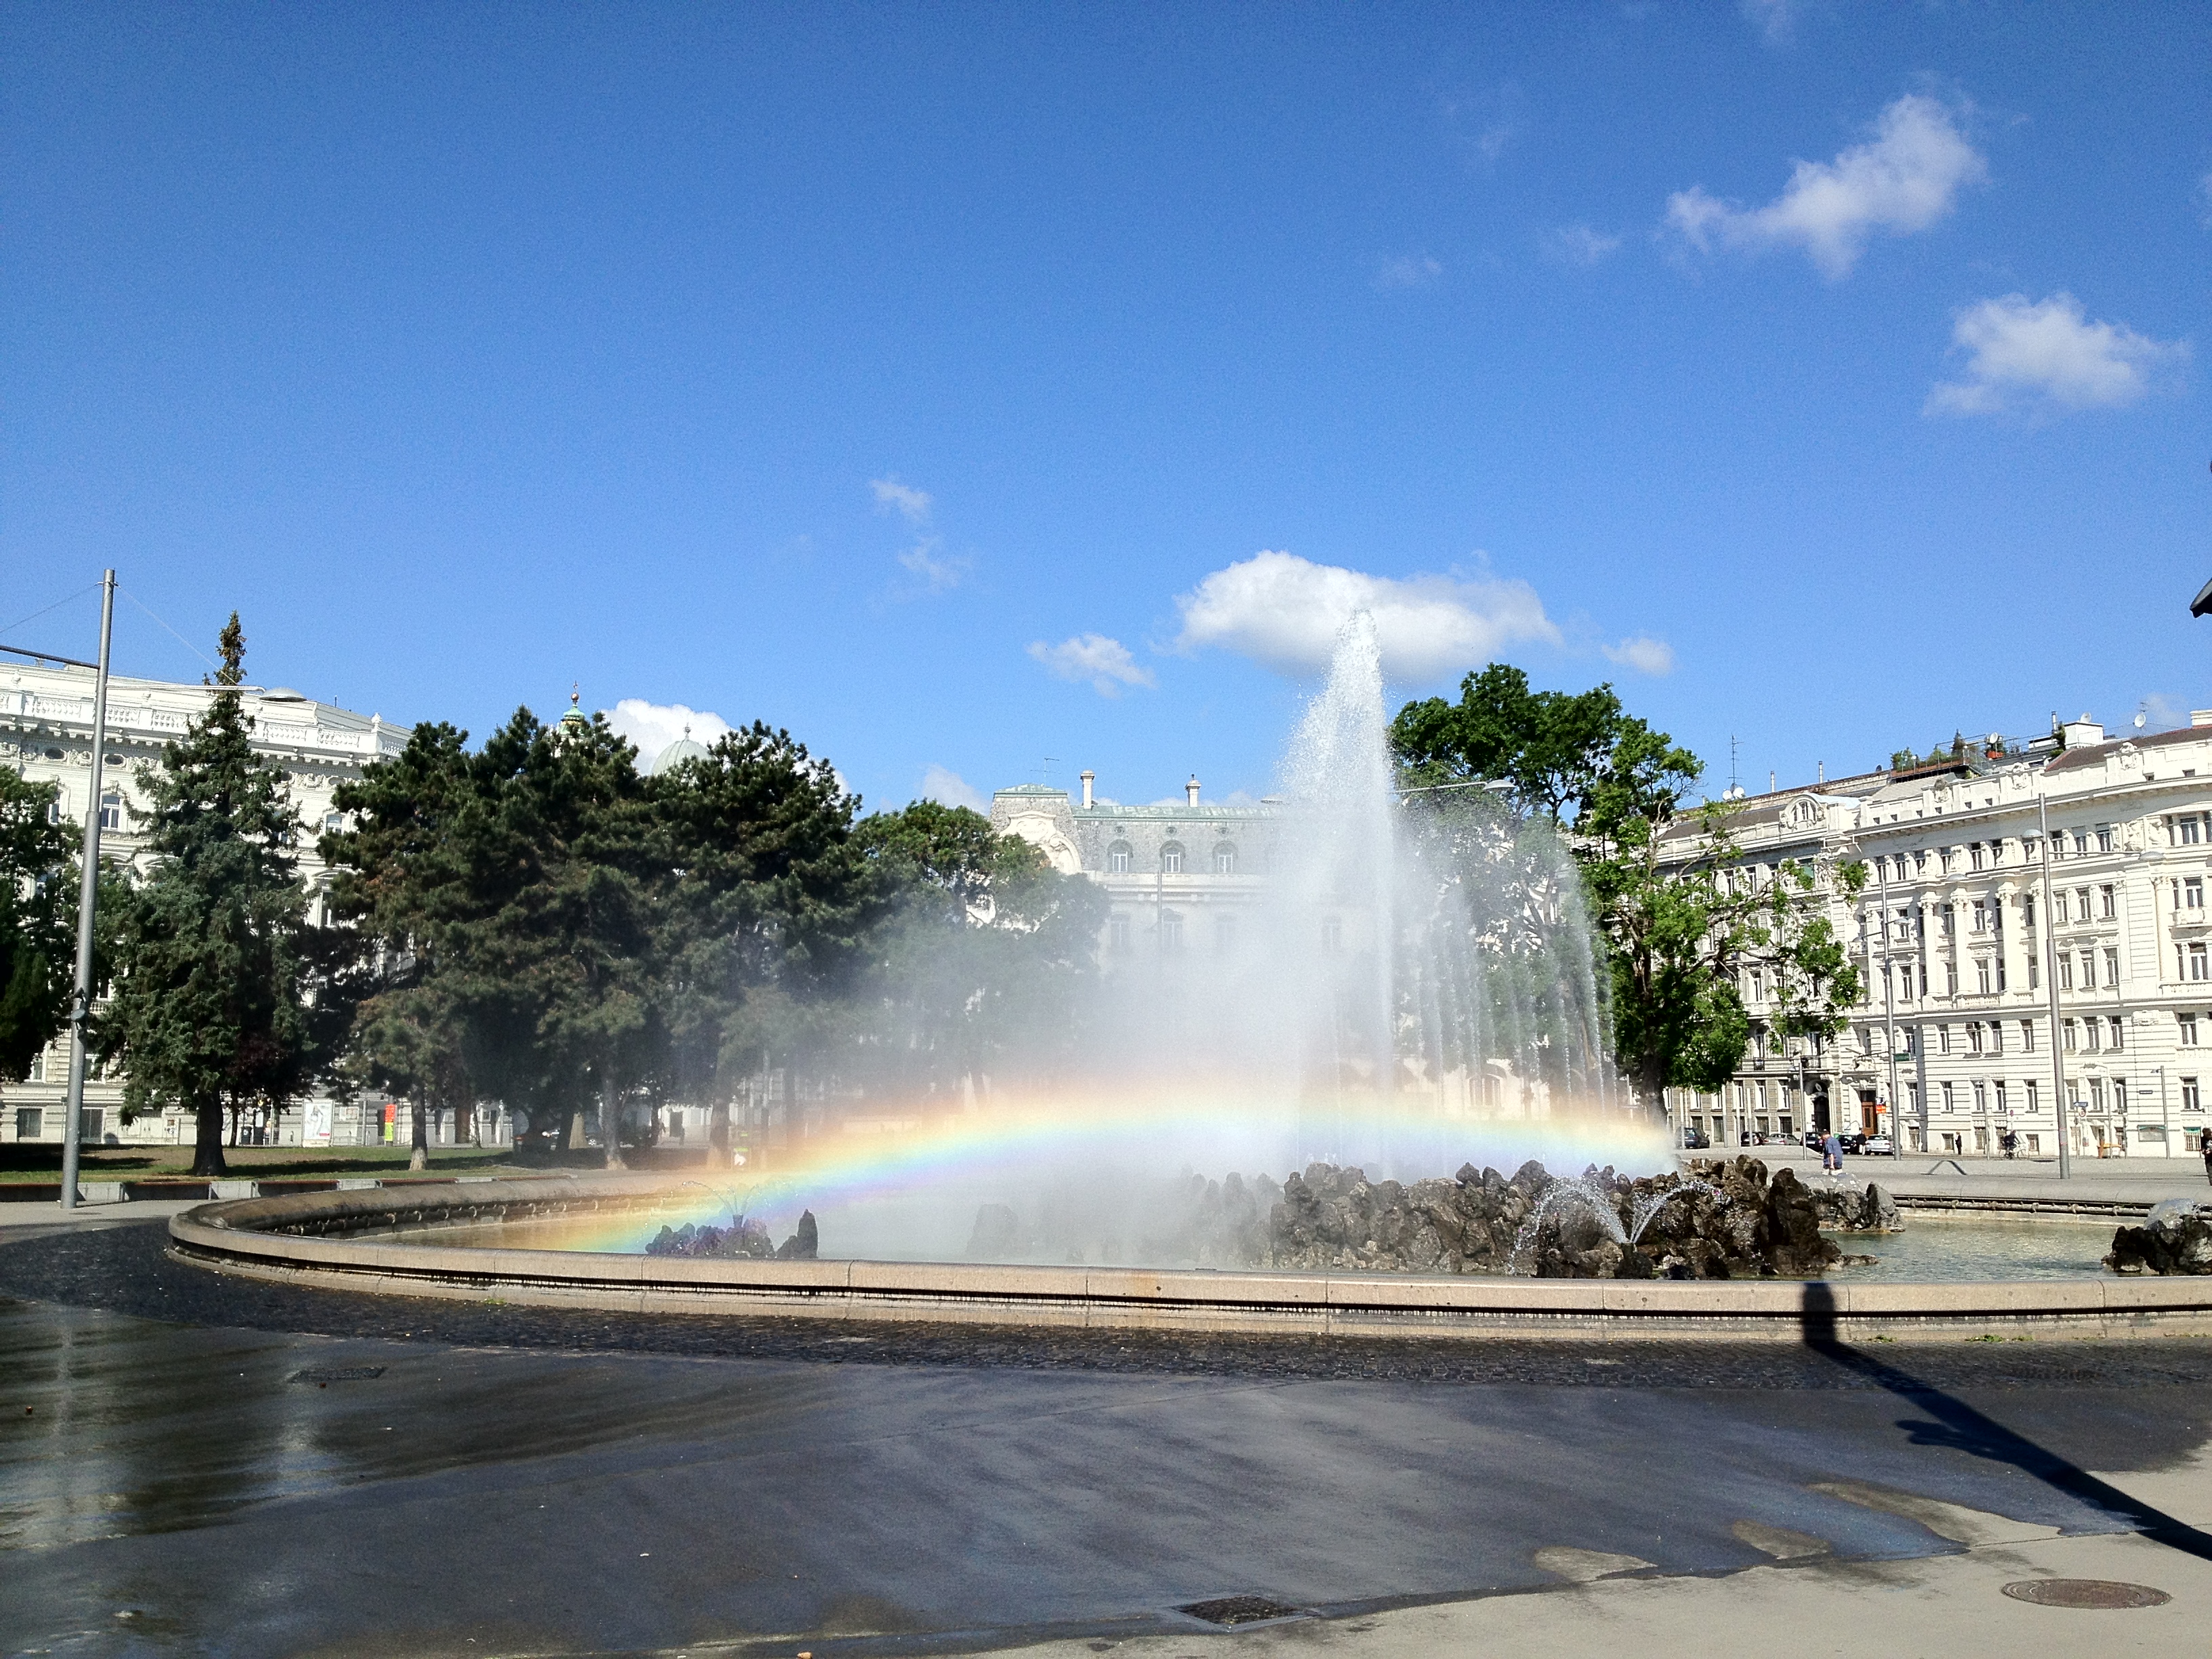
(1178, 875)
(1956, 940)
(46, 736)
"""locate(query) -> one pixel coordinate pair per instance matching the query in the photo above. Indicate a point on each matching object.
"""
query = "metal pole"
(1889, 1018)
(2051, 985)
(88, 894)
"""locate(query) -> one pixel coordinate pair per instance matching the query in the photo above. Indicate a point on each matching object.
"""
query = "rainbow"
(902, 1184)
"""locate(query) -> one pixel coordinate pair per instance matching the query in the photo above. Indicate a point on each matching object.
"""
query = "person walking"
(2205, 1145)
(1831, 1153)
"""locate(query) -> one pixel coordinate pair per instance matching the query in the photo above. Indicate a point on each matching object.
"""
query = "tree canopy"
(1678, 935)
(38, 922)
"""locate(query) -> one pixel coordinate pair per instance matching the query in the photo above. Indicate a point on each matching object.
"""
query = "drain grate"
(338, 1374)
(2085, 1593)
(1237, 1610)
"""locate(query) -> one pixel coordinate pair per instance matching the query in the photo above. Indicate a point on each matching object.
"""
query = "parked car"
(1875, 1145)
(1814, 1141)
(1696, 1140)
(1850, 1143)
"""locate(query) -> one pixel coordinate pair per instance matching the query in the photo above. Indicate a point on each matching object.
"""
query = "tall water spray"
(1418, 981)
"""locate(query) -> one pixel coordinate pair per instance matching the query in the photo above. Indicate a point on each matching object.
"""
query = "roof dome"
(685, 748)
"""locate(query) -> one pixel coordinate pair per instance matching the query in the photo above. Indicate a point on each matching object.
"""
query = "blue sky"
(930, 380)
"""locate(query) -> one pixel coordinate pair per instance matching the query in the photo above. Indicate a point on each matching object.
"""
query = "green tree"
(38, 916)
(403, 886)
(1678, 934)
(769, 903)
(210, 954)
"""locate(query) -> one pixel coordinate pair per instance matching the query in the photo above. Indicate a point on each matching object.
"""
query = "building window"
(332, 823)
(1981, 916)
(2081, 843)
(1949, 1103)
(2190, 1103)
(2004, 1108)
(30, 1123)
(2112, 966)
(1974, 855)
(2119, 1040)
(1997, 1037)
(2092, 1033)
(1982, 975)
(1942, 1039)
(2191, 894)
(2058, 906)
(1171, 858)
(1224, 860)
(2033, 1102)
(2105, 838)
(2081, 902)
(2088, 971)
(2066, 1032)
(2027, 1036)
(2188, 1023)
(1171, 931)
(1950, 979)
(1974, 1037)
(1981, 1098)
(2107, 903)
(1117, 933)
(1117, 859)
(1945, 854)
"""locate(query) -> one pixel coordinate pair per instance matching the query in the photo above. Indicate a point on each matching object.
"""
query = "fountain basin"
(330, 1240)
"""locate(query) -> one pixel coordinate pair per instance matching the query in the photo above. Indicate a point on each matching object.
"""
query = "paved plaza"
(197, 1464)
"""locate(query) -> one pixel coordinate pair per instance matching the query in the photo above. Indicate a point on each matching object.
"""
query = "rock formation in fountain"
(745, 1239)
(1720, 1221)
(2175, 1238)
(1850, 1210)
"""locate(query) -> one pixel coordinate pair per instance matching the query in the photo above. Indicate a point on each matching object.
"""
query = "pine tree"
(209, 945)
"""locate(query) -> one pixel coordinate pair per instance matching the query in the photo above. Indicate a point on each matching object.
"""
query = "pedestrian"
(1831, 1153)
(2205, 1145)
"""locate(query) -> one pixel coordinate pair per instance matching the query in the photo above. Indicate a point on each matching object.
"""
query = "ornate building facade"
(1178, 875)
(46, 736)
(2074, 858)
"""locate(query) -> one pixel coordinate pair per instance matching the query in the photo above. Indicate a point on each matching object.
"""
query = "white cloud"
(1776, 19)
(1644, 654)
(936, 575)
(912, 504)
(1579, 244)
(1106, 663)
(948, 787)
(1286, 611)
(1903, 179)
(652, 726)
(1410, 271)
(2048, 355)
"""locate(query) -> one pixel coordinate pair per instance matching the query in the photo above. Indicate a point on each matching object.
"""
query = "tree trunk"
(610, 1130)
(207, 1140)
(465, 1123)
(419, 1158)
(576, 1130)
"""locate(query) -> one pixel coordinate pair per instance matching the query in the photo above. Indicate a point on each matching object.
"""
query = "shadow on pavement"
(1959, 1426)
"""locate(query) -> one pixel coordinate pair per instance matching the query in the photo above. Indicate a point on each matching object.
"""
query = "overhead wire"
(93, 587)
(158, 617)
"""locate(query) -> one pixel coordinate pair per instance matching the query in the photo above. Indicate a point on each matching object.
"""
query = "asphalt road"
(194, 1464)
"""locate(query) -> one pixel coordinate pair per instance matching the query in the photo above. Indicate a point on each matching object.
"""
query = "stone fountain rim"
(276, 1238)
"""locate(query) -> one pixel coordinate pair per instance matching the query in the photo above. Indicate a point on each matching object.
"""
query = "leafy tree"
(1678, 936)
(211, 948)
(982, 968)
(37, 923)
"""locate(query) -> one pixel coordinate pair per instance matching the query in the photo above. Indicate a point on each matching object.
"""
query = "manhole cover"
(1237, 1610)
(2085, 1593)
(338, 1374)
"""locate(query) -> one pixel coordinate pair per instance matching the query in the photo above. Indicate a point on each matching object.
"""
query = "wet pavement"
(190, 1463)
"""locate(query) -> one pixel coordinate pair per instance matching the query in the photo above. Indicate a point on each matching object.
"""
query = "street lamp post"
(1889, 1014)
(88, 894)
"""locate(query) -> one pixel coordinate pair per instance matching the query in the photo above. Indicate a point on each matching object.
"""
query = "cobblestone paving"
(125, 1269)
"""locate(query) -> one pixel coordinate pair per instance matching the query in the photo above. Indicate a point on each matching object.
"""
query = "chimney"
(1191, 789)
(1088, 779)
